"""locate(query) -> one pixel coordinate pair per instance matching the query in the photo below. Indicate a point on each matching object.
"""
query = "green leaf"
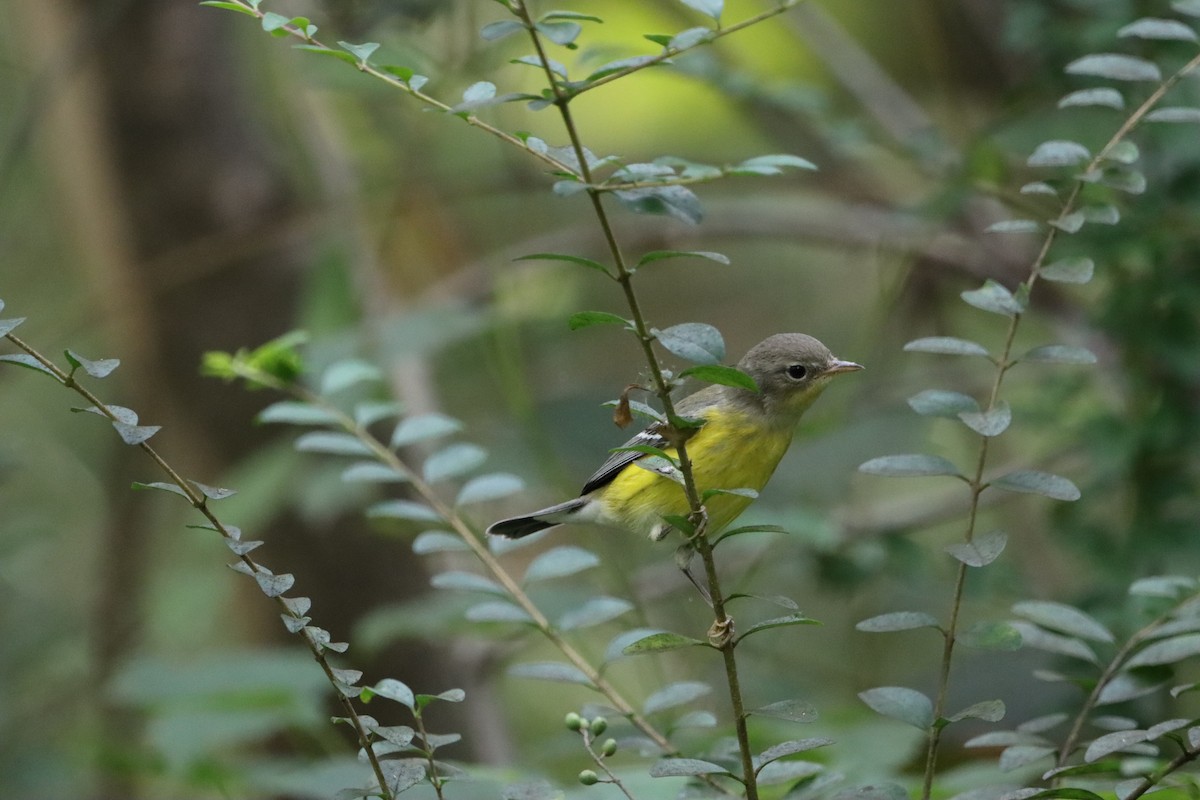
(100, 368)
(164, 487)
(411, 430)
(1020, 755)
(1043, 483)
(789, 748)
(492, 486)
(718, 373)
(135, 434)
(344, 374)
(550, 671)
(1069, 270)
(325, 51)
(685, 767)
(659, 255)
(778, 622)
(658, 643)
(559, 562)
(693, 341)
(1154, 28)
(477, 93)
(880, 791)
(453, 461)
(27, 361)
(900, 703)
(779, 772)
(274, 585)
(495, 31)
(898, 621)
(757, 528)
(986, 710)
(1063, 618)
(372, 472)
(1039, 187)
(438, 542)
(228, 6)
(458, 580)
(995, 298)
(991, 636)
(1132, 685)
(120, 413)
(676, 694)
(585, 319)
(498, 611)
(1099, 96)
(1115, 66)
(580, 260)
(992, 422)
(1013, 226)
(677, 201)
(595, 611)
(340, 444)
(1189, 7)
(403, 509)
(1129, 181)
(360, 51)
(1041, 639)
(947, 345)
(981, 551)
(7, 326)
(272, 22)
(1170, 586)
(1167, 651)
(367, 414)
(909, 465)
(770, 165)
(1059, 153)
(1174, 114)
(561, 33)
(788, 710)
(213, 492)
(390, 689)
(1112, 743)
(1123, 152)
(942, 403)
(291, 412)
(1070, 223)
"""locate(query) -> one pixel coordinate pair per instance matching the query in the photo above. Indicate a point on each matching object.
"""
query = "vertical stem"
(1003, 364)
(722, 630)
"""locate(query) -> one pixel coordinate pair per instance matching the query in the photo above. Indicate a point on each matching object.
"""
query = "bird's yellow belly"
(729, 452)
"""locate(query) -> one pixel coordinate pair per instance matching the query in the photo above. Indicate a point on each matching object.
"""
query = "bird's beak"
(837, 365)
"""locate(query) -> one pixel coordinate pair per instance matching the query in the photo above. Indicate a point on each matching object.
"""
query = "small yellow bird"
(742, 440)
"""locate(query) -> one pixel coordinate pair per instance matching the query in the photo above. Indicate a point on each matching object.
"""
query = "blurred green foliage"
(399, 229)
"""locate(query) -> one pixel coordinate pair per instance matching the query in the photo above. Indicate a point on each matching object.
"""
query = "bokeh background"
(175, 181)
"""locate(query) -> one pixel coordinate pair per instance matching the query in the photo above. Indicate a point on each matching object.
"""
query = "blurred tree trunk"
(185, 223)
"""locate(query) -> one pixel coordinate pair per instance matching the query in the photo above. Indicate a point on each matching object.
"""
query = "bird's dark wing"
(622, 458)
(694, 405)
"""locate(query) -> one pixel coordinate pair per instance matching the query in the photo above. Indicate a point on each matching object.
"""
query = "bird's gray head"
(791, 370)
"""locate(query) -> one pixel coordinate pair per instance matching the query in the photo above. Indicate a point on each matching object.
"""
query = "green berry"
(599, 725)
(609, 747)
(589, 778)
(573, 721)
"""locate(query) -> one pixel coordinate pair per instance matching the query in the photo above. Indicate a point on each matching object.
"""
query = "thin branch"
(200, 503)
(1003, 364)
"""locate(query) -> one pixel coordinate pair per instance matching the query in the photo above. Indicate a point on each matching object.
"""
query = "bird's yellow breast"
(733, 450)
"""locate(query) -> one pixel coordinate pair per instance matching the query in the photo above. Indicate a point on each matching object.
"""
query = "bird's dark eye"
(796, 371)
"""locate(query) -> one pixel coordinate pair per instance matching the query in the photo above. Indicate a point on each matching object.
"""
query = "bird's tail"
(516, 527)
